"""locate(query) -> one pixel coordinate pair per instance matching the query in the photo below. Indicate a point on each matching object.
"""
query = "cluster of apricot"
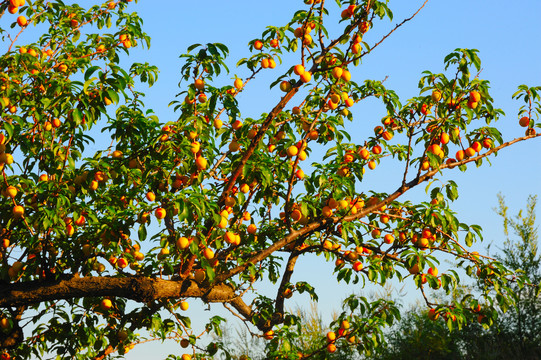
(124, 39)
(343, 332)
(526, 122)
(303, 33)
(14, 6)
(440, 138)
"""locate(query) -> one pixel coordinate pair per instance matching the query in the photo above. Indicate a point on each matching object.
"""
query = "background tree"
(515, 333)
(520, 327)
(98, 245)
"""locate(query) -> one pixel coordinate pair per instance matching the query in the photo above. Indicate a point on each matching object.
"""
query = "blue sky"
(506, 35)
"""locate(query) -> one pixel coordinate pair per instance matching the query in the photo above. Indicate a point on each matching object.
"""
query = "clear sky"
(507, 35)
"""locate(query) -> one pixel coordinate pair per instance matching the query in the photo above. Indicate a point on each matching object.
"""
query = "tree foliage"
(515, 333)
(98, 245)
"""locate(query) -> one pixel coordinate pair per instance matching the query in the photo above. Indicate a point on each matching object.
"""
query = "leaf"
(90, 71)
(142, 232)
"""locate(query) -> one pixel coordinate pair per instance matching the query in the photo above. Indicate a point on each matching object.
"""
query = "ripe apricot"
(331, 336)
(208, 253)
(346, 76)
(160, 213)
(292, 151)
(238, 84)
(472, 105)
(306, 76)
(331, 348)
(201, 163)
(18, 211)
(475, 97)
(433, 271)
(433, 315)
(524, 121)
(298, 70)
(326, 211)
(476, 146)
(252, 229)
(199, 84)
(258, 45)
(11, 191)
(106, 304)
(337, 72)
(444, 138)
(21, 20)
(414, 269)
(436, 95)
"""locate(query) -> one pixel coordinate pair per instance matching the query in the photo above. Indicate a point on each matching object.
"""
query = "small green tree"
(521, 325)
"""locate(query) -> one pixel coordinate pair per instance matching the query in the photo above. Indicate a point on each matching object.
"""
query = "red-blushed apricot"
(433, 315)
(433, 271)
(160, 213)
(21, 20)
(524, 121)
(238, 84)
(298, 70)
(475, 97)
(388, 238)
(346, 76)
(258, 45)
(469, 152)
(436, 95)
(306, 77)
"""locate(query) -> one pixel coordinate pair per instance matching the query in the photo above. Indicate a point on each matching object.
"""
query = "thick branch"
(137, 288)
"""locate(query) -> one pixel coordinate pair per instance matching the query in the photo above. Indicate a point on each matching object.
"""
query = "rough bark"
(137, 288)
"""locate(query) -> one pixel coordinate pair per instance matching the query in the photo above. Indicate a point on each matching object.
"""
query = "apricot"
(298, 70)
(106, 304)
(258, 45)
(337, 72)
(160, 213)
(469, 152)
(524, 121)
(436, 95)
(306, 76)
(346, 76)
(21, 20)
(201, 163)
(475, 97)
(285, 86)
(199, 84)
(18, 211)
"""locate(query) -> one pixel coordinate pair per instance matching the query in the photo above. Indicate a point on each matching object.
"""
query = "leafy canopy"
(101, 249)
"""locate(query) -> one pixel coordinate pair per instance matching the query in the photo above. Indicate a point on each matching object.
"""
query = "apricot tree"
(99, 245)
